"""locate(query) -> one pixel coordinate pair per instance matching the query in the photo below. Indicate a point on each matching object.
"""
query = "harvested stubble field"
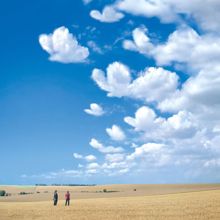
(147, 202)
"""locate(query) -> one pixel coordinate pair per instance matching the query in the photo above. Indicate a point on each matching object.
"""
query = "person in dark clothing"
(67, 197)
(55, 198)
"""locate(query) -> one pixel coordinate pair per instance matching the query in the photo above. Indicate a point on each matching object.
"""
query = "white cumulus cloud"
(154, 84)
(114, 157)
(117, 80)
(88, 158)
(178, 126)
(105, 149)
(108, 15)
(184, 48)
(63, 47)
(95, 110)
(148, 8)
(144, 119)
(116, 133)
(169, 11)
(141, 42)
(77, 156)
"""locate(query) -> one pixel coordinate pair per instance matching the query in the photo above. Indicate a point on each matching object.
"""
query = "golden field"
(147, 202)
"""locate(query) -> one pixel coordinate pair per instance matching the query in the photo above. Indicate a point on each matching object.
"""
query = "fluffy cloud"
(181, 125)
(77, 156)
(141, 41)
(200, 55)
(148, 148)
(95, 110)
(200, 94)
(92, 166)
(189, 135)
(181, 128)
(177, 47)
(103, 149)
(117, 80)
(116, 133)
(115, 168)
(116, 163)
(109, 15)
(112, 158)
(88, 158)
(153, 84)
(148, 8)
(63, 47)
(204, 49)
(144, 119)
(168, 11)
(206, 14)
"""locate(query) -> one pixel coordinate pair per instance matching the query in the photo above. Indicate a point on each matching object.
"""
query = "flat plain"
(168, 201)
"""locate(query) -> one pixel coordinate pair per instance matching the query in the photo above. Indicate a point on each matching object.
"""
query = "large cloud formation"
(205, 13)
(153, 84)
(176, 122)
(183, 46)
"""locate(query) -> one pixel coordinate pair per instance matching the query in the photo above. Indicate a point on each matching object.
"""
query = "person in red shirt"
(67, 197)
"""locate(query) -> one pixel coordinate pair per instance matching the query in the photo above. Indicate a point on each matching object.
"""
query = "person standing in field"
(67, 197)
(55, 198)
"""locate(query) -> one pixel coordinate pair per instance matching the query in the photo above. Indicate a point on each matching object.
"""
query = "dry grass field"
(147, 202)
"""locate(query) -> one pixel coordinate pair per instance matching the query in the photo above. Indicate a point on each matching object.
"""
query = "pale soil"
(203, 205)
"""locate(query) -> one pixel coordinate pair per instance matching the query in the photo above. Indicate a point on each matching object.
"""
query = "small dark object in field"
(25, 193)
(2, 192)
(109, 191)
(135, 189)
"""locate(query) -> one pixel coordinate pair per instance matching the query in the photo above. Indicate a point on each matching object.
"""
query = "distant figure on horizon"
(67, 197)
(55, 198)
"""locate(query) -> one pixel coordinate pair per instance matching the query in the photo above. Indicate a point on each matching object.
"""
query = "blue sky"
(109, 92)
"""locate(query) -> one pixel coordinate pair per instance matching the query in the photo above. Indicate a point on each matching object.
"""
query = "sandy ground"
(159, 202)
